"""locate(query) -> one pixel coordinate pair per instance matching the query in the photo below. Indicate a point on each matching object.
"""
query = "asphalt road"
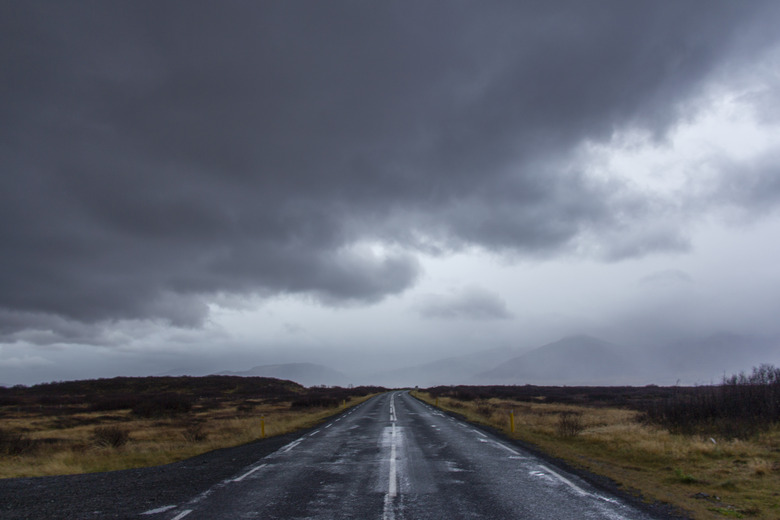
(395, 458)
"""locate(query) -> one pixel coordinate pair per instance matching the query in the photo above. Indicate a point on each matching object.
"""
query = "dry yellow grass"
(66, 444)
(709, 480)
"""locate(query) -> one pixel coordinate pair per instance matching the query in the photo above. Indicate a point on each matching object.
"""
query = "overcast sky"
(214, 185)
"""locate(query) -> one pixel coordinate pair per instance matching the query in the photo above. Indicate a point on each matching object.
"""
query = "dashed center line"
(392, 486)
(392, 408)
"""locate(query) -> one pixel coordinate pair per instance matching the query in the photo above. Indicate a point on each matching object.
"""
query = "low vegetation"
(742, 406)
(713, 451)
(107, 424)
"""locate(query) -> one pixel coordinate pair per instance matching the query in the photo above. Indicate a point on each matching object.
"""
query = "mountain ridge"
(307, 374)
(572, 360)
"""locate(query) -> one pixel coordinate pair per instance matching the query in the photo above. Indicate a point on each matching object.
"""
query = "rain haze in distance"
(205, 187)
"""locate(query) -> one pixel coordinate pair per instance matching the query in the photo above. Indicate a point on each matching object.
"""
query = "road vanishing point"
(392, 458)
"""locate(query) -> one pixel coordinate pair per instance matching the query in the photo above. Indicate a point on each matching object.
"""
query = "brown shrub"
(164, 405)
(570, 424)
(193, 432)
(14, 443)
(485, 408)
(110, 436)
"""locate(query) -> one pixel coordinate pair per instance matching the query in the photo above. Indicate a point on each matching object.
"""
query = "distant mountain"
(456, 370)
(181, 371)
(307, 374)
(708, 359)
(575, 360)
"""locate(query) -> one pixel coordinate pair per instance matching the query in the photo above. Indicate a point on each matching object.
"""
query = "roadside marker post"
(512, 421)
(262, 426)
(437, 402)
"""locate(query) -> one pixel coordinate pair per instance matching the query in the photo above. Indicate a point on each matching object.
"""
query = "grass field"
(708, 477)
(56, 430)
(99, 425)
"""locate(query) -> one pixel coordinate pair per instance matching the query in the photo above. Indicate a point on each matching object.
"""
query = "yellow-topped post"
(262, 426)
(512, 421)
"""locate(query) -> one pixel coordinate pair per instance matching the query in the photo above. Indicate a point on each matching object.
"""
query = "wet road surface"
(394, 458)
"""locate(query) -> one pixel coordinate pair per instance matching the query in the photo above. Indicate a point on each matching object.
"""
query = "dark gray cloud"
(156, 152)
(470, 304)
(751, 187)
(43, 329)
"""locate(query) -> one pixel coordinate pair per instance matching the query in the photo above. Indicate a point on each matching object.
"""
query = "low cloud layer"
(468, 304)
(666, 278)
(158, 154)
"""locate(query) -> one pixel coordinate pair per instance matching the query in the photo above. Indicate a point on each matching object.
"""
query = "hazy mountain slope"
(307, 374)
(446, 371)
(708, 359)
(572, 360)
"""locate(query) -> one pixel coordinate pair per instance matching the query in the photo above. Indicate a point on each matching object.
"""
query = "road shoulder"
(127, 493)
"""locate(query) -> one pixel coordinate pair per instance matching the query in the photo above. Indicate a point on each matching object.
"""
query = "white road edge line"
(498, 444)
(158, 510)
(566, 481)
(283, 449)
(507, 448)
(291, 445)
(245, 475)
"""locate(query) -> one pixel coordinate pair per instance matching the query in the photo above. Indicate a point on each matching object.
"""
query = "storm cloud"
(158, 154)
